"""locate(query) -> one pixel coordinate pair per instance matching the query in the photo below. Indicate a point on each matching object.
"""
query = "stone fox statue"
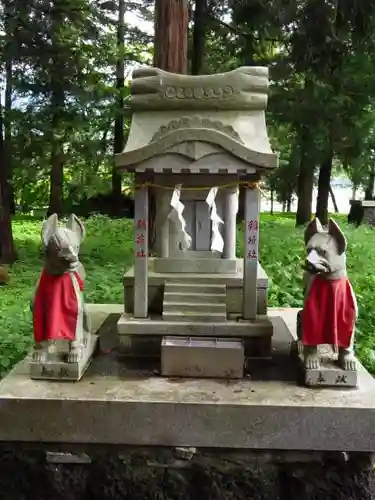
(330, 309)
(58, 306)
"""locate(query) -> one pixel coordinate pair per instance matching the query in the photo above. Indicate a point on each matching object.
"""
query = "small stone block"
(62, 370)
(67, 458)
(328, 375)
(202, 357)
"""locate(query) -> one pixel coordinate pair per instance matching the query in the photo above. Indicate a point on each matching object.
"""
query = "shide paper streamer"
(217, 242)
(177, 218)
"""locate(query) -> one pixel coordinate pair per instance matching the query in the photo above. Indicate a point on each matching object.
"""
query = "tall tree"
(199, 36)
(55, 73)
(171, 35)
(324, 184)
(171, 24)
(56, 200)
(7, 248)
(119, 119)
(10, 22)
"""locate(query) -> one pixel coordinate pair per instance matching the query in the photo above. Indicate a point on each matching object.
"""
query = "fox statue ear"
(335, 231)
(75, 225)
(49, 228)
(312, 228)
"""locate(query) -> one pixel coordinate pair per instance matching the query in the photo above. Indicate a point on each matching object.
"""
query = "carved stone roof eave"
(265, 162)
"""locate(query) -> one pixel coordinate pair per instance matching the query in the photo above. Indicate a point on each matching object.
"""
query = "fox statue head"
(62, 244)
(325, 249)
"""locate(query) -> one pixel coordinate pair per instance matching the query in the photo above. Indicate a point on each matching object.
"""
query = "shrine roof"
(224, 111)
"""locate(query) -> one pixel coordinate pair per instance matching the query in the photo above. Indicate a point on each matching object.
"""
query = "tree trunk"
(7, 249)
(272, 200)
(170, 54)
(369, 192)
(171, 35)
(289, 204)
(305, 184)
(333, 198)
(56, 199)
(323, 188)
(199, 37)
(119, 120)
(305, 181)
(7, 190)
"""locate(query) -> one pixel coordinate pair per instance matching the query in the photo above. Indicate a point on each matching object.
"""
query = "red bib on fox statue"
(57, 305)
(329, 313)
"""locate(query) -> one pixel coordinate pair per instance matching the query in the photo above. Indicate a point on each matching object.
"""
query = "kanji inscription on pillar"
(251, 236)
(141, 253)
(252, 227)
(140, 228)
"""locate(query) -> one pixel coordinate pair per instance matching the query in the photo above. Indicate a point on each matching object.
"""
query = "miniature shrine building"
(193, 141)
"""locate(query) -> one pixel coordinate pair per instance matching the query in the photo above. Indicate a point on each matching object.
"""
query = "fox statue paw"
(311, 358)
(39, 356)
(347, 361)
(75, 354)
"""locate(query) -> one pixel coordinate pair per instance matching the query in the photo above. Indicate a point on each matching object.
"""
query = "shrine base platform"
(119, 402)
(232, 281)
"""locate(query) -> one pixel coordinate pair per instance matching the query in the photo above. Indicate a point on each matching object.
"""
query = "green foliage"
(68, 50)
(108, 251)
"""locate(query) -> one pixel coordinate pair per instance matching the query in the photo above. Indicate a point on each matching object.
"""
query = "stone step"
(128, 325)
(193, 316)
(187, 307)
(217, 298)
(193, 288)
(195, 265)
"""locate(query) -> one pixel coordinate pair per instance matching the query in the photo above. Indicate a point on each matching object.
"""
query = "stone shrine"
(122, 428)
(193, 141)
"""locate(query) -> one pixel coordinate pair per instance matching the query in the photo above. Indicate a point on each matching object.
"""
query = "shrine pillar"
(250, 267)
(141, 252)
(164, 200)
(230, 223)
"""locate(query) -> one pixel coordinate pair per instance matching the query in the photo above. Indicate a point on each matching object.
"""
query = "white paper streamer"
(217, 242)
(175, 215)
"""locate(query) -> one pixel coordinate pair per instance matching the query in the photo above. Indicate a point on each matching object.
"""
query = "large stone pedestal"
(128, 404)
(124, 432)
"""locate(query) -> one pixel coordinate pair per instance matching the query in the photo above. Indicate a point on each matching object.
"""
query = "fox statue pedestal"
(326, 325)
